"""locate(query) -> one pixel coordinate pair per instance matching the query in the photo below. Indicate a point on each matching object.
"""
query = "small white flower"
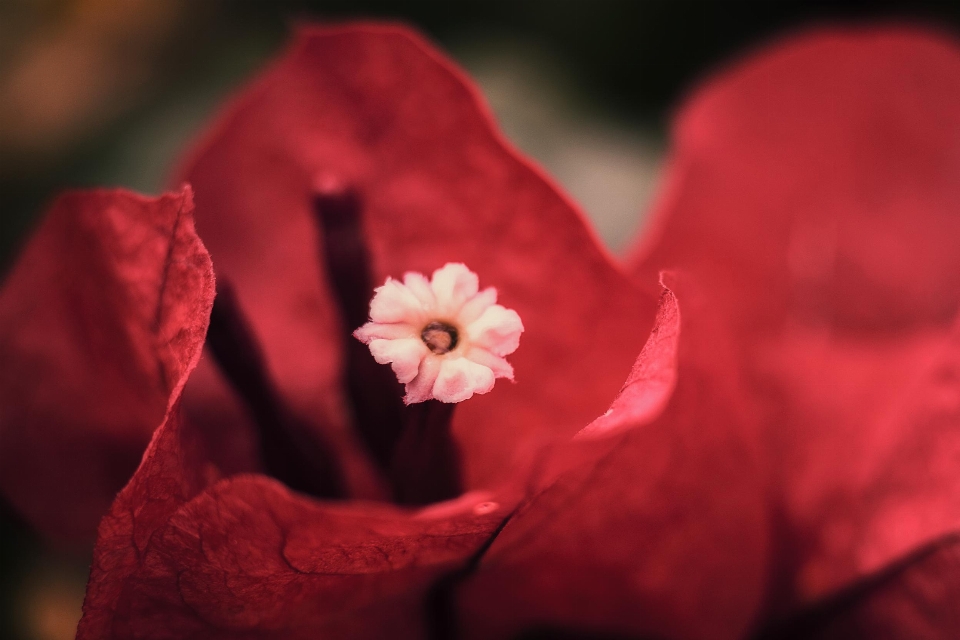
(444, 338)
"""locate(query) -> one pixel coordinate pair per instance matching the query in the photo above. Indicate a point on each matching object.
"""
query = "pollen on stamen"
(444, 338)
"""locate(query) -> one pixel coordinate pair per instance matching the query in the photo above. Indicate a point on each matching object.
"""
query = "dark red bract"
(781, 461)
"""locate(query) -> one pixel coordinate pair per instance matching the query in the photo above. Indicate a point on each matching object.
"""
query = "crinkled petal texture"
(815, 190)
(378, 110)
(99, 320)
(653, 522)
(182, 555)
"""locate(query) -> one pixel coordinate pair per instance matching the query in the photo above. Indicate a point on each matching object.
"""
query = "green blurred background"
(107, 92)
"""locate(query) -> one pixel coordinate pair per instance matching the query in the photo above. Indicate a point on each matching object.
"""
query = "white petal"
(487, 332)
(453, 284)
(391, 331)
(404, 355)
(420, 388)
(497, 330)
(500, 367)
(420, 287)
(460, 378)
(475, 306)
(394, 302)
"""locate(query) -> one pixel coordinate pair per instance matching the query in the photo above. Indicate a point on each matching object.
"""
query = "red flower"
(782, 459)
(432, 183)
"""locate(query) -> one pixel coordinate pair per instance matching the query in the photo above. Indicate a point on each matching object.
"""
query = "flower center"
(440, 337)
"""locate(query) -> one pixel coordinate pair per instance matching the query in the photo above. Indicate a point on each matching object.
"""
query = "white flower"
(444, 338)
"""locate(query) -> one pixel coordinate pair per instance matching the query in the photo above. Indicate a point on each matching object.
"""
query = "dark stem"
(292, 451)
(373, 391)
(441, 597)
(426, 463)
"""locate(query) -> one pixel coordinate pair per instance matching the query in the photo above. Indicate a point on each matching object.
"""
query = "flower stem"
(292, 450)
(426, 463)
(374, 395)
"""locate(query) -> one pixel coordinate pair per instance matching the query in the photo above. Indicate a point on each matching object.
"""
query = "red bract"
(657, 524)
(97, 323)
(815, 193)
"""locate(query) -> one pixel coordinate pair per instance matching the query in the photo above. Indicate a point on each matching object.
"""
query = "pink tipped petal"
(475, 306)
(393, 302)
(404, 355)
(460, 378)
(420, 287)
(453, 284)
(391, 331)
(500, 367)
(420, 389)
(367, 332)
(497, 330)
